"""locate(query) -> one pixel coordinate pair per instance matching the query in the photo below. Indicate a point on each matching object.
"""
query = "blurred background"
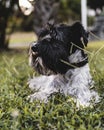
(21, 20)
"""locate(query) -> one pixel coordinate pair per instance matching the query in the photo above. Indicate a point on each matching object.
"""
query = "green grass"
(17, 113)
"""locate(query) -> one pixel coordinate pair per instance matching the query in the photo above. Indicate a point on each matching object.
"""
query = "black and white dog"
(59, 56)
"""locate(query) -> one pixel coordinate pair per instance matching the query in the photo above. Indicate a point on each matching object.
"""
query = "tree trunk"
(45, 11)
(6, 10)
(3, 40)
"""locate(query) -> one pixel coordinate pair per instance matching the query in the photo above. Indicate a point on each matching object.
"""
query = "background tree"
(70, 10)
(6, 10)
(44, 11)
(55, 11)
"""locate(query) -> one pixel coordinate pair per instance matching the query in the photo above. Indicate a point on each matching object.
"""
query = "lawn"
(60, 113)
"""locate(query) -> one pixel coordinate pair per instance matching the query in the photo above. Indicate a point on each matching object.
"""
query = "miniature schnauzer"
(59, 55)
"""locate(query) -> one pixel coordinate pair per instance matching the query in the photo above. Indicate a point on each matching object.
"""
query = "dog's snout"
(34, 48)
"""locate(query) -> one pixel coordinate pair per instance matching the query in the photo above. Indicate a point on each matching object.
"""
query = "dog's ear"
(43, 32)
(79, 35)
(49, 27)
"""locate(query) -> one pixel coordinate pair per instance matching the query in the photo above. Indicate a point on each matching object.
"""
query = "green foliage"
(60, 113)
(91, 20)
(70, 9)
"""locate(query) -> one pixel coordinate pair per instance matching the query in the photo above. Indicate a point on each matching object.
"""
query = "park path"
(21, 39)
(19, 45)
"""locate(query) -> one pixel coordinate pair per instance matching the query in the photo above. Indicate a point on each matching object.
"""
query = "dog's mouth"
(35, 54)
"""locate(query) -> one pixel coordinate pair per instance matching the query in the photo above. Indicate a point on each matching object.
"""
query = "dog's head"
(53, 46)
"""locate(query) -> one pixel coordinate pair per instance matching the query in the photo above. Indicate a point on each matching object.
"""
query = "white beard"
(76, 83)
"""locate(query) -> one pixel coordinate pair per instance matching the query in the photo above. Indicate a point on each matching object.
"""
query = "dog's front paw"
(38, 96)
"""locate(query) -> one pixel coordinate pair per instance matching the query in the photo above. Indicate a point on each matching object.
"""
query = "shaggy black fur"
(54, 44)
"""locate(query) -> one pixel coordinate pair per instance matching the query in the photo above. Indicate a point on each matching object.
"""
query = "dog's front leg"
(43, 87)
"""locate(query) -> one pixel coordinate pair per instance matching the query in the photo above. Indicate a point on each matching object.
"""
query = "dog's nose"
(34, 48)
